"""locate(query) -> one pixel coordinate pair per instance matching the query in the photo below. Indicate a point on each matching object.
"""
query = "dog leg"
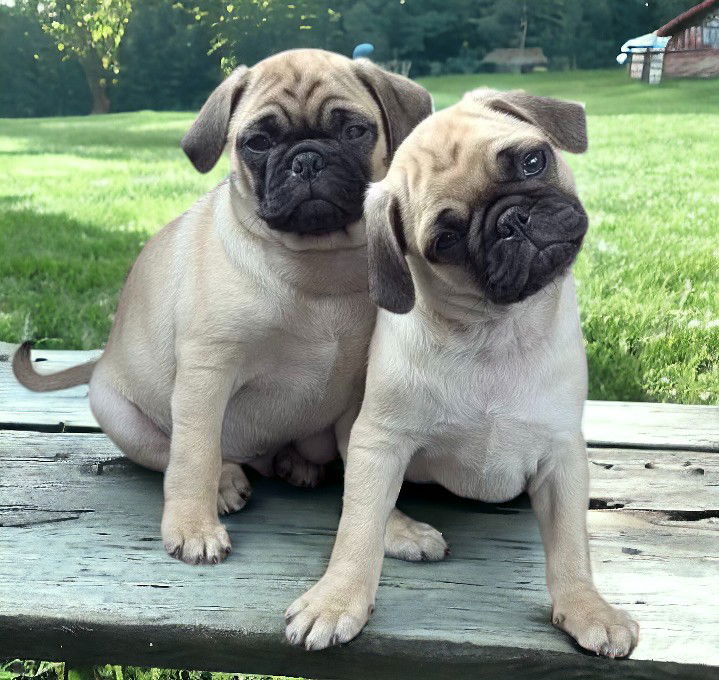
(145, 444)
(338, 606)
(559, 497)
(319, 448)
(191, 530)
(130, 429)
(404, 538)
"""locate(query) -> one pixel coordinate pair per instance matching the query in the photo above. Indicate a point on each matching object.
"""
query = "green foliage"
(85, 28)
(80, 196)
(44, 670)
(91, 31)
(164, 56)
(34, 81)
(173, 52)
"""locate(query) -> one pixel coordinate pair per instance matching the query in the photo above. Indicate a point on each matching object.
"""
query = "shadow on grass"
(615, 374)
(59, 278)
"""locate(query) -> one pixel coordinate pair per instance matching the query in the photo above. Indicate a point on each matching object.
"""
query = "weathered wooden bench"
(84, 577)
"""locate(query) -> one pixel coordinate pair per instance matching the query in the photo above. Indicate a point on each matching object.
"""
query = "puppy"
(242, 330)
(477, 373)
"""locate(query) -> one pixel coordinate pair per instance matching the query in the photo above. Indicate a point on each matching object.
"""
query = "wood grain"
(606, 423)
(83, 574)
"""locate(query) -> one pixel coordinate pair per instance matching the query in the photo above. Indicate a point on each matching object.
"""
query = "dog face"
(308, 130)
(479, 192)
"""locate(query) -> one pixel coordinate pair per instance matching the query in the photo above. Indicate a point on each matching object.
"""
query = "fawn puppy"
(477, 373)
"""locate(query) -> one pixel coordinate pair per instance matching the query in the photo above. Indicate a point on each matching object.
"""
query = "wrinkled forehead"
(301, 89)
(458, 149)
(454, 159)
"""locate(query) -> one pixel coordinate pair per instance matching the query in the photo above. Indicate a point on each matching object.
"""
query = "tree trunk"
(95, 81)
(523, 28)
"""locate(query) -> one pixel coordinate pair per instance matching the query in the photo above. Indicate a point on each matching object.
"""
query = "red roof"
(689, 18)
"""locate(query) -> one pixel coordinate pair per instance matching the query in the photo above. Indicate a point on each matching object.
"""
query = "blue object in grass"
(362, 50)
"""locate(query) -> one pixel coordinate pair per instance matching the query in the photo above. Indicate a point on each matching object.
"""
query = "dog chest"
(298, 378)
(492, 461)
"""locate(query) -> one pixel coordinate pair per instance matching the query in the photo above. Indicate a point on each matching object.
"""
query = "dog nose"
(307, 164)
(514, 219)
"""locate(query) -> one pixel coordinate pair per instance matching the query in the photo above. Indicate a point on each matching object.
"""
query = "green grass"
(49, 670)
(81, 195)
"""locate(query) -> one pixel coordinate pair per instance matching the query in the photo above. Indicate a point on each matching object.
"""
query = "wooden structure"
(515, 60)
(693, 47)
(686, 47)
(84, 577)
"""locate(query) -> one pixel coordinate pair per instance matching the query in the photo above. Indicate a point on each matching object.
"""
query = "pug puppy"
(242, 330)
(477, 372)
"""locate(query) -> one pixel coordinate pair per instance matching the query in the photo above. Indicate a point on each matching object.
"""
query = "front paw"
(234, 490)
(596, 625)
(291, 467)
(407, 539)
(193, 540)
(331, 612)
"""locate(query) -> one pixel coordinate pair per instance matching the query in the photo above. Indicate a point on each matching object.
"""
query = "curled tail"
(27, 376)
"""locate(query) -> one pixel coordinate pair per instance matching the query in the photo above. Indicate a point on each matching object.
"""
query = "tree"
(34, 81)
(164, 60)
(91, 31)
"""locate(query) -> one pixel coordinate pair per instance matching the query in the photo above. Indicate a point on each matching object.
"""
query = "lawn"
(80, 196)
(16, 669)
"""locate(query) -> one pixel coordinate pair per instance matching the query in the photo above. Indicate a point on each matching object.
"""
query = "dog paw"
(290, 466)
(194, 541)
(596, 625)
(234, 490)
(407, 539)
(327, 614)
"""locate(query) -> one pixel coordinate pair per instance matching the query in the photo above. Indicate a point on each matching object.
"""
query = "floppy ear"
(402, 102)
(564, 122)
(205, 141)
(390, 281)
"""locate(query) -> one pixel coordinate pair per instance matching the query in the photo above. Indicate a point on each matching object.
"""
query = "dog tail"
(28, 377)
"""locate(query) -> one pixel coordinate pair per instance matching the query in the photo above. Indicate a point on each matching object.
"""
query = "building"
(515, 60)
(686, 47)
(693, 47)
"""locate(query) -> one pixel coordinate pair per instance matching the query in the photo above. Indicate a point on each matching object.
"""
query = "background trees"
(167, 54)
(89, 31)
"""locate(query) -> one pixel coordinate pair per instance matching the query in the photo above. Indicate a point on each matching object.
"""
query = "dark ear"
(402, 102)
(205, 141)
(564, 122)
(390, 281)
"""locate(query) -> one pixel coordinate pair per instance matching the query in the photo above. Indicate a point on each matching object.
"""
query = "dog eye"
(258, 143)
(355, 131)
(533, 163)
(445, 240)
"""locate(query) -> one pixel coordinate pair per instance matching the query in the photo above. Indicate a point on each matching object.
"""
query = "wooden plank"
(629, 424)
(681, 483)
(65, 409)
(83, 576)
(606, 423)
